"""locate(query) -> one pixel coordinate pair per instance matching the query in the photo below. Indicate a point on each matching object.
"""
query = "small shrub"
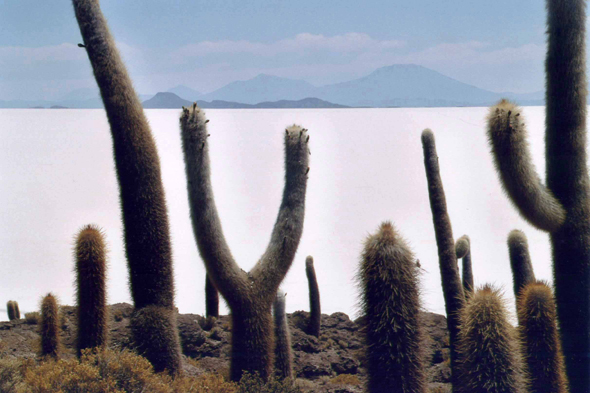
(32, 318)
(252, 383)
(118, 315)
(345, 379)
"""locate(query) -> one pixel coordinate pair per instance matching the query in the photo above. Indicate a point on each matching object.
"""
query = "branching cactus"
(249, 295)
(390, 302)
(447, 257)
(463, 252)
(211, 299)
(488, 344)
(91, 296)
(143, 205)
(520, 263)
(315, 308)
(49, 328)
(540, 339)
(562, 207)
(283, 354)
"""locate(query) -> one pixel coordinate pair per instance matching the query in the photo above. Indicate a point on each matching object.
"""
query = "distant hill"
(186, 93)
(168, 100)
(263, 88)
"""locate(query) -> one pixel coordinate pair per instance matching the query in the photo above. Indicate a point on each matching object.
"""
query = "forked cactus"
(562, 207)
(249, 295)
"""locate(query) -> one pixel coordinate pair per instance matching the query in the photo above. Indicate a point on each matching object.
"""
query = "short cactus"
(390, 303)
(249, 295)
(211, 299)
(520, 263)
(463, 251)
(49, 328)
(143, 204)
(540, 339)
(283, 353)
(488, 346)
(13, 310)
(90, 255)
(315, 307)
(451, 281)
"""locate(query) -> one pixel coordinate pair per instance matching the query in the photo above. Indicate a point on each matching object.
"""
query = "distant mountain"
(263, 88)
(168, 100)
(309, 102)
(186, 93)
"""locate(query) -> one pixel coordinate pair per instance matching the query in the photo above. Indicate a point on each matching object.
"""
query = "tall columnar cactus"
(562, 208)
(211, 299)
(463, 252)
(283, 354)
(143, 205)
(447, 257)
(540, 339)
(49, 327)
(13, 310)
(488, 344)
(315, 307)
(520, 263)
(249, 295)
(390, 302)
(91, 296)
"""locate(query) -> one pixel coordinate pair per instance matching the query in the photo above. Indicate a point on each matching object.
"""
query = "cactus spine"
(315, 308)
(490, 357)
(211, 299)
(540, 338)
(248, 295)
(49, 327)
(283, 354)
(520, 263)
(451, 281)
(463, 251)
(562, 207)
(143, 205)
(90, 255)
(390, 302)
(13, 310)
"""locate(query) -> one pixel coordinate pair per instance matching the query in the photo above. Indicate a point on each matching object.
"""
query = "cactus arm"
(143, 204)
(463, 250)
(221, 266)
(278, 257)
(507, 135)
(315, 307)
(520, 263)
(451, 281)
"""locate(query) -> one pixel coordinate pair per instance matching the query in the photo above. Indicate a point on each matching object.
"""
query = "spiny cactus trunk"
(143, 204)
(248, 295)
(520, 263)
(90, 252)
(390, 302)
(463, 251)
(315, 307)
(49, 327)
(451, 281)
(540, 339)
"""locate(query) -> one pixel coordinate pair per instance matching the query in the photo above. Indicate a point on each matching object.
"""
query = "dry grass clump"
(345, 379)
(252, 383)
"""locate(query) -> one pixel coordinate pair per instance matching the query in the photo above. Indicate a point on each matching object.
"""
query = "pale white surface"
(57, 174)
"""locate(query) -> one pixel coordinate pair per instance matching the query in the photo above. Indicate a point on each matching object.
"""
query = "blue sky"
(497, 46)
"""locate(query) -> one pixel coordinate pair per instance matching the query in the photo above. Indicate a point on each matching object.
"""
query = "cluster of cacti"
(143, 205)
(49, 327)
(13, 310)
(249, 295)
(283, 354)
(390, 302)
(562, 207)
(315, 307)
(90, 254)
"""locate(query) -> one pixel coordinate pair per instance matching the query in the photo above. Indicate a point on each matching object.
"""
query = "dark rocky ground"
(339, 350)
